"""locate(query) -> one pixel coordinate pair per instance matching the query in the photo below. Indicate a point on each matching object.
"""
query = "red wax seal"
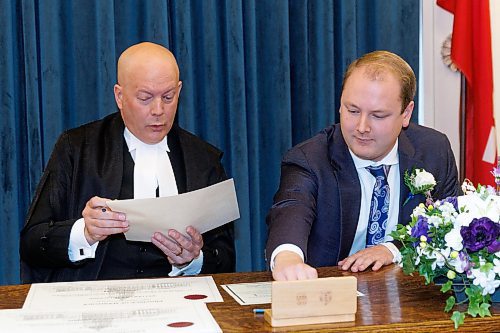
(180, 324)
(195, 296)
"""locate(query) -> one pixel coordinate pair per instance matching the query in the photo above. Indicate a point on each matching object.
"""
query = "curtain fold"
(258, 77)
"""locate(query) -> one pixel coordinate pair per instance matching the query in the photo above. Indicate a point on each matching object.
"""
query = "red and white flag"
(471, 53)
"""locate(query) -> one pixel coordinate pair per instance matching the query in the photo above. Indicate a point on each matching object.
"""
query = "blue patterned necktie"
(379, 207)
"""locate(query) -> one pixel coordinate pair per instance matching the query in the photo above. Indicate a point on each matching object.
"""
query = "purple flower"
(421, 228)
(453, 201)
(481, 233)
(494, 246)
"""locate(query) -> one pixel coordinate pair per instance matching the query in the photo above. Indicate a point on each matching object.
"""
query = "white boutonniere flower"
(419, 181)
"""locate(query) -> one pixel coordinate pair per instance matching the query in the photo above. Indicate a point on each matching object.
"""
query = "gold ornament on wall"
(446, 54)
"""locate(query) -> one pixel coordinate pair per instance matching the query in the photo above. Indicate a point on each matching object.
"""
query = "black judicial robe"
(89, 161)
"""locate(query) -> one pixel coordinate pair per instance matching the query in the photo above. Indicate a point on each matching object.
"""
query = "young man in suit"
(71, 234)
(326, 203)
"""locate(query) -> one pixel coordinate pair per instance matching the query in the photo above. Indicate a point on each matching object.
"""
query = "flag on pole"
(471, 53)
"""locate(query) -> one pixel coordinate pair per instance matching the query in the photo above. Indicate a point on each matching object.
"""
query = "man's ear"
(407, 113)
(118, 95)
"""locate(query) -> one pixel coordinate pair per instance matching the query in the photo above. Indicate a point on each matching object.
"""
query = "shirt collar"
(133, 142)
(390, 159)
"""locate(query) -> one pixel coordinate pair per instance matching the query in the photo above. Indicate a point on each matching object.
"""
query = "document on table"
(252, 293)
(106, 293)
(249, 293)
(175, 317)
(204, 209)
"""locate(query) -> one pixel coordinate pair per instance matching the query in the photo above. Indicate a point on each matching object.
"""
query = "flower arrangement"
(457, 239)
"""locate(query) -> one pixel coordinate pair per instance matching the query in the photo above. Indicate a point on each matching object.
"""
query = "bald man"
(70, 232)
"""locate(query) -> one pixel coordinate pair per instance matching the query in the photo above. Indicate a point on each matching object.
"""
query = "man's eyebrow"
(144, 91)
(350, 104)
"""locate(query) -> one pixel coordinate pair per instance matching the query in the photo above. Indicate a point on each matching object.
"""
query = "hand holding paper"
(101, 222)
(179, 249)
(203, 209)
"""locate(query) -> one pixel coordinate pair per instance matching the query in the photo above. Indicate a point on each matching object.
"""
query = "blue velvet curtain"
(258, 77)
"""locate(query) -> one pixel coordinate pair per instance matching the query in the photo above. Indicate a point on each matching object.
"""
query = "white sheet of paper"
(205, 209)
(252, 293)
(249, 293)
(109, 293)
(178, 317)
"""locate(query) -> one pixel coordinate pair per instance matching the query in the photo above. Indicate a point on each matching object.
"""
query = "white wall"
(439, 87)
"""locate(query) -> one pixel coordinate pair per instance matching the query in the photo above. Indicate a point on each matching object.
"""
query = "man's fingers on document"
(377, 256)
(295, 272)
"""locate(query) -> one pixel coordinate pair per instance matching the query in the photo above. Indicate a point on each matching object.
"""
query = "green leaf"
(473, 309)
(458, 318)
(450, 302)
(447, 286)
(484, 310)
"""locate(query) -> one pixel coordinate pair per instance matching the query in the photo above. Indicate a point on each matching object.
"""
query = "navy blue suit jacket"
(318, 201)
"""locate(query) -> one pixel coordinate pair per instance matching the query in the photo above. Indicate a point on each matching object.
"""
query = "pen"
(258, 311)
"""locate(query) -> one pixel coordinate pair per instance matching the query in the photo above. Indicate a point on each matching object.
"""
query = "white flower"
(496, 265)
(441, 256)
(468, 187)
(423, 178)
(485, 280)
(459, 264)
(435, 220)
(463, 220)
(477, 207)
(454, 239)
(447, 209)
(419, 210)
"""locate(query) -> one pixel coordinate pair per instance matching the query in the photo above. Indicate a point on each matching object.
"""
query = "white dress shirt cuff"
(194, 267)
(285, 247)
(396, 255)
(79, 248)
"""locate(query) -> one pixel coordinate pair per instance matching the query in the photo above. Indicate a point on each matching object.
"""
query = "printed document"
(110, 293)
(175, 317)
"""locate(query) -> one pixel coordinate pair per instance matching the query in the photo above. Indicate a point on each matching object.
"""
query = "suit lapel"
(113, 157)
(407, 161)
(349, 189)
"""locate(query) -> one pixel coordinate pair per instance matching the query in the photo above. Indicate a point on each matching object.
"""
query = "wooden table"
(392, 302)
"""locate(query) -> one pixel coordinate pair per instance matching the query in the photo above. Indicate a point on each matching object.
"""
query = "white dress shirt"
(154, 169)
(367, 182)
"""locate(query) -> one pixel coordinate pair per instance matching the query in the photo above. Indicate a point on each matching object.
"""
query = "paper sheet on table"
(109, 293)
(204, 209)
(253, 293)
(176, 317)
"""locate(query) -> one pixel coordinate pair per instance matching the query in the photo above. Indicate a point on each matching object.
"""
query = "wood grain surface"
(393, 302)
